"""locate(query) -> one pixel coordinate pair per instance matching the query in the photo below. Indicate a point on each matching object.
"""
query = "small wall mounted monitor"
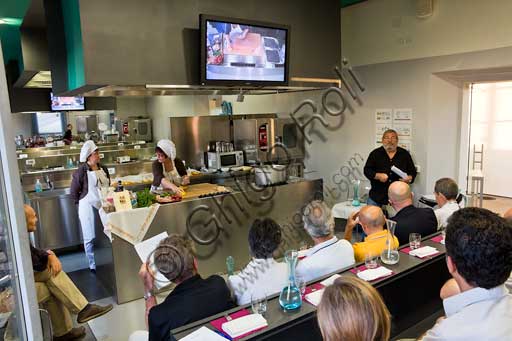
(67, 103)
(243, 52)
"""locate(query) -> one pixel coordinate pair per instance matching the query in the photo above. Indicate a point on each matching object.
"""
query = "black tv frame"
(203, 18)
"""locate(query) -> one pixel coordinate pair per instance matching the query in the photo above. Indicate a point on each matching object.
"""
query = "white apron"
(96, 180)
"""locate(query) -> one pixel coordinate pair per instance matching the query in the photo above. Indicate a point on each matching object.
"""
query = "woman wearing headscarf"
(88, 180)
(168, 171)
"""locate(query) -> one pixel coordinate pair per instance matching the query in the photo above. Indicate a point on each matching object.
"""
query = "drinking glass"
(259, 303)
(370, 261)
(414, 241)
(301, 284)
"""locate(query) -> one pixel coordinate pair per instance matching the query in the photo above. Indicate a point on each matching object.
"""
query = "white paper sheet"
(372, 274)
(330, 280)
(145, 248)
(399, 172)
(203, 334)
(315, 297)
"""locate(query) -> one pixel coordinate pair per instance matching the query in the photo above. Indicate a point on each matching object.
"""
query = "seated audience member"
(446, 192)
(351, 309)
(192, 299)
(409, 219)
(508, 218)
(263, 276)
(57, 293)
(476, 303)
(329, 254)
(372, 220)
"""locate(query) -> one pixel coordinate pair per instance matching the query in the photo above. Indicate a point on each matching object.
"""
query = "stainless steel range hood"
(175, 90)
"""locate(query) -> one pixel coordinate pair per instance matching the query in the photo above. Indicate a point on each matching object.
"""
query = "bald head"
(372, 218)
(400, 195)
(508, 215)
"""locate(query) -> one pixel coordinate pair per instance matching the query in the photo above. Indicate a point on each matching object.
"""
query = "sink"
(48, 193)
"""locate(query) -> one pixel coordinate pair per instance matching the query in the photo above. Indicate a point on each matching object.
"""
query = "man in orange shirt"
(372, 220)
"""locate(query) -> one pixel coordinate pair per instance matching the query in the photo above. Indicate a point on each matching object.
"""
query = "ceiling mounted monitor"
(238, 52)
(67, 103)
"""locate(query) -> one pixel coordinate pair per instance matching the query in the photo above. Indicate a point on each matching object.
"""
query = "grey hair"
(447, 187)
(174, 258)
(318, 220)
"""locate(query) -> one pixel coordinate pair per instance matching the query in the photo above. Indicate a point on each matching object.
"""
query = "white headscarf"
(87, 149)
(168, 148)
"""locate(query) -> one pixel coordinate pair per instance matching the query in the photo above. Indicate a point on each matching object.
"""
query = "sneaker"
(91, 311)
(73, 334)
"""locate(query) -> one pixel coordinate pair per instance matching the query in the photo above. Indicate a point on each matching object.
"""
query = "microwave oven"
(217, 160)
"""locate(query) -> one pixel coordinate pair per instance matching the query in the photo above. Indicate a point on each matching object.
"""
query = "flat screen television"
(243, 52)
(67, 103)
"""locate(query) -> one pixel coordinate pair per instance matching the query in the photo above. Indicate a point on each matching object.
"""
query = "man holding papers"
(385, 165)
(192, 299)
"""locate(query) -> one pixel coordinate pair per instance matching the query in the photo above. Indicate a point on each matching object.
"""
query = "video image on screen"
(244, 53)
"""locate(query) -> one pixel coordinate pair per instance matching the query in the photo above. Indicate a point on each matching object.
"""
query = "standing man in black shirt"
(378, 168)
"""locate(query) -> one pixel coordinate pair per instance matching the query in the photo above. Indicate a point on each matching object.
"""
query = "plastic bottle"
(38, 186)
(230, 264)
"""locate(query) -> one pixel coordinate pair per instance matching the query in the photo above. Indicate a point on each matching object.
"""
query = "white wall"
(22, 124)
(377, 31)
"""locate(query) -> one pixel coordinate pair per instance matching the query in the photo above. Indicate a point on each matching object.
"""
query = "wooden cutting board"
(193, 191)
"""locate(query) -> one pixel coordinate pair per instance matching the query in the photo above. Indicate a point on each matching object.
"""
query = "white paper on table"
(399, 172)
(243, 325)
(315, 297)
(145, 248)
(328, 281)
(424, 251)
(371, 274)
(203, 334)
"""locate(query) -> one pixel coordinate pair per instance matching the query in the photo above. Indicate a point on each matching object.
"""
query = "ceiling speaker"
(424, 8)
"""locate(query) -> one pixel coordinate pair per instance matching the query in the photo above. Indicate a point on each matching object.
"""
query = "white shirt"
(443, 213)
(261, 277)
(476, 314)
(326, 257)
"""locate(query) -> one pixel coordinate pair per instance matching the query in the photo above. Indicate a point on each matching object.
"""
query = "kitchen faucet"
(49, 182)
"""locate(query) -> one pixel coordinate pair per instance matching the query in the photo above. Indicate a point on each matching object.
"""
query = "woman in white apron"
(88, 180)
(168, 171)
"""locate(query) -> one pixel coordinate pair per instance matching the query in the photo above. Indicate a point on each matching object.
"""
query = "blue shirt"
(476, 314)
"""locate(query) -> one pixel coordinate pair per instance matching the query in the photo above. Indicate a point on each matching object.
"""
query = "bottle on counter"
(38, 186)
(119, 187)
(230, 265)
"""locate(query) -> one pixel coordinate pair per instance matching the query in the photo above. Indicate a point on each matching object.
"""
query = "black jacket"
(412, 219)
(79, 183)
(379, 162)
(191, 300)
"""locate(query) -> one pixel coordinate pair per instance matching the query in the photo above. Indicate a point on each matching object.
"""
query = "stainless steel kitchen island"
(218, 225)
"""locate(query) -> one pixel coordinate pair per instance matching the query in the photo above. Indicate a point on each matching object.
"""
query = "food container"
(270, 175)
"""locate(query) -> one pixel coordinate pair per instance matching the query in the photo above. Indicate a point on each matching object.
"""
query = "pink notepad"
(220, 321)
(437, 239)
(363, 267)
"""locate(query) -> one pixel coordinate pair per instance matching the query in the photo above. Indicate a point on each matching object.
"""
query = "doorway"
(490, 137)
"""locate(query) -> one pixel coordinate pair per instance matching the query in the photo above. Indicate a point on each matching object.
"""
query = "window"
(49, 123)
